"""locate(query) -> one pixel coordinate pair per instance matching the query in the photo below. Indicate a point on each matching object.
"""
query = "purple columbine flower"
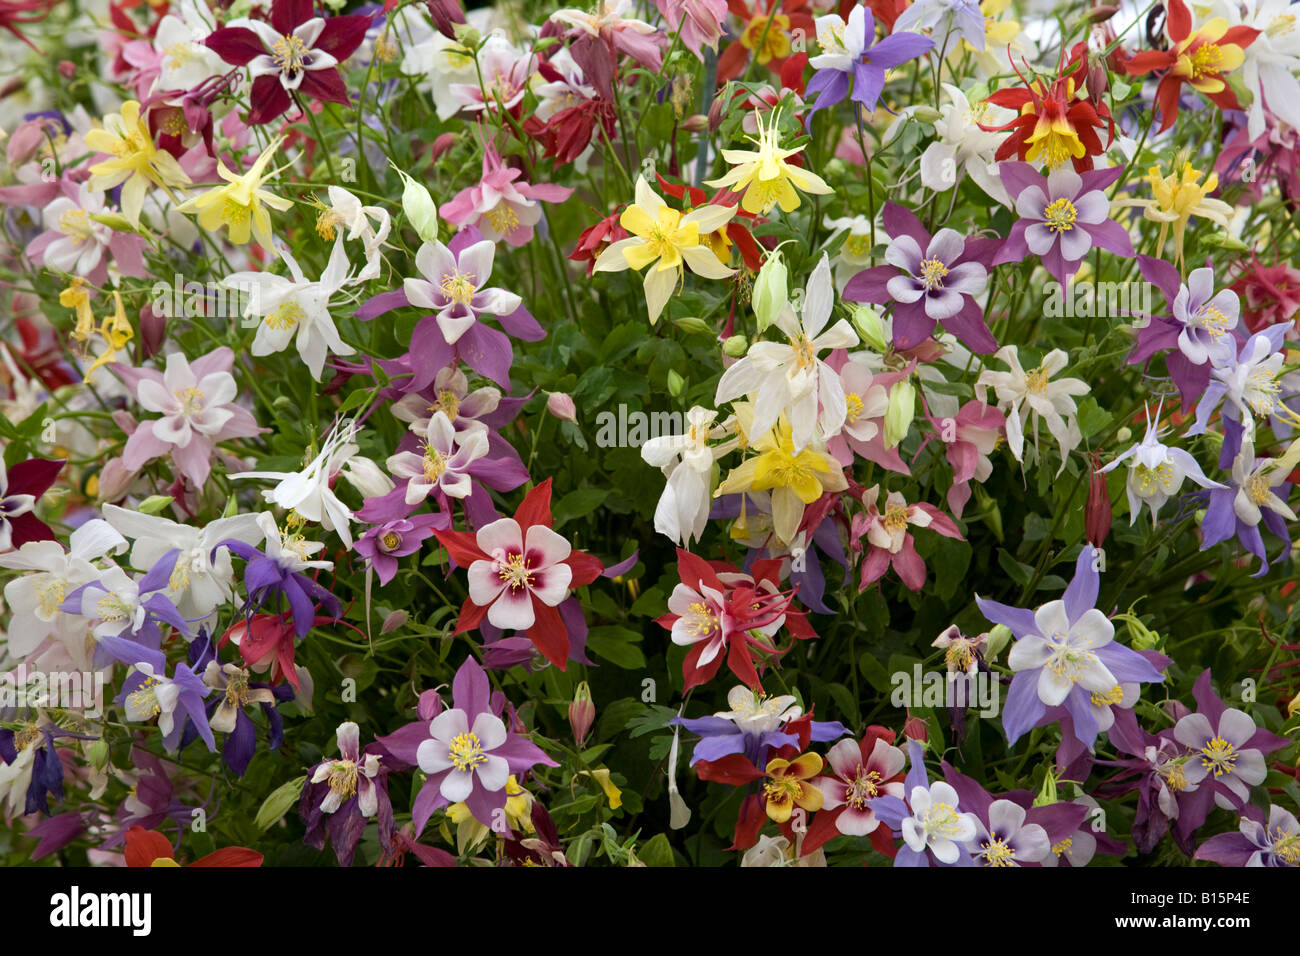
(850, 55)
(934, 827)
(275, 574)
(1065, 655)
(1256, 495)
(754, 726)
(1078, 848)
(343, 793)
(930, 279)
(467, 750)
(441, 466)
(33, 744)
(1063, 217)
(148, 692)
(129, 611)
(383, 544)
(454, 284)
(1257, 843)
(1227, 749)
(961, 17)
(1249, 387)
(1199, 332)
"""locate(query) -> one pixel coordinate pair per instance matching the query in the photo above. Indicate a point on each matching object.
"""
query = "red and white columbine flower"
(861, 771)
(519, 572)
(891, 542)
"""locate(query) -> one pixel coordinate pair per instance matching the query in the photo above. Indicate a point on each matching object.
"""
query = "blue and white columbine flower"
(1156, 472)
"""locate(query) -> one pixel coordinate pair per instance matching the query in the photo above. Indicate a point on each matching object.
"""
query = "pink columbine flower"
(196, 401)
(444, 462)
(352, 773)
(454, 286)
(73, 242)
(861, 771)
(970, 437)
(505, 70)
(519, 569)
(891, 542)
(498, 206)
(700, 22)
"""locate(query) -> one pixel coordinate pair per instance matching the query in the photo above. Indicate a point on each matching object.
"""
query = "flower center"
(1173, 774)
(343, 778)
(142, 702)
(1063, 847)
(1113, 696)
(237, 688)
(1070, 656)
(1037, 380)
(466, 751)
(865, 786)
(191, 400)
(289, 53)
(1149, 479)
(25, 736)
(1206, 59)
(896, 519)
(701, 620)
(448, 402)
(1257, 488)
(940, 821)
(458, 287)
(1219, 757)
(1060, 215)
(1212, 320)
(853, 401)
(1286, 846)
(783, 789)
(75, 224)
(112, 608)
(391, 539)
(804, 353)
(933, 272)
(287, 315)
(502, 218)
(435, 465)
(857, 246)
(998, 852)
(48, 598)
(514, 571)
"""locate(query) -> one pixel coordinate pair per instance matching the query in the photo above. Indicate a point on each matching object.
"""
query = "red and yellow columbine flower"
(765, 35)
(1199, 59)
(789, 785)
(1058, 121)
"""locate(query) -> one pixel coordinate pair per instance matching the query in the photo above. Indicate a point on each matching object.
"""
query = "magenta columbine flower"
(454, 285)
(443, 463)
(1063, 217)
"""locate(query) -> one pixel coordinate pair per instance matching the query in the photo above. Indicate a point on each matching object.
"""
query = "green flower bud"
(870, 326)
(675, 383)
(419, 208)
(1047, 793)
(902, 409)
(926, 114)
(998, 638)
(97, 753)
(736, 346)
(692, 325)
(770, 295)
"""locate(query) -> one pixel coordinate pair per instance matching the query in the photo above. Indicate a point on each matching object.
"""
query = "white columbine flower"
(370, 224)
(1156, 472)
(1024, 394)
(789, 378)
(936, 823)
(687, 461)
(962, 146)
(1272, 58)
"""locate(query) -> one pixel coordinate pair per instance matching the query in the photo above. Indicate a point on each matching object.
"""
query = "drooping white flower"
(1028, 396)
(687, 461)
(370, 224)
(1156, 472)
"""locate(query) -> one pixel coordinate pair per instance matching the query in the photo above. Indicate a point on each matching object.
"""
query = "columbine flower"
(687, 462)
(442, 466)
(766, 26)
(962, 17)
(1250, 385)
(201, 580)
(763, 176)
(197, 403)
(136, 162)
(175, 700)
(1008, 840)
(1227, 748)
(343, 793)
(1257, 495)
(963, 146)
(699, 22)
(20, 488)
(240, 205)
(891, 542)
(1275, 843)
(276, 574)
(929, 818)
(663, 236)
(383, 544)
(790, 378)
(861, 771)
(969, 438)
(1024, 394)
(940, 279)
(498, 206)
(295, 51)
(1054, 122)
(848, 54)
(370, 224)
(1176, 198)
(127, 611)
(1271, 60)
(226, 714)
(1065, 654)
(1197, 58)
(1061, 217)
(296, 308)
(75, 243)
(455, 286)
(349, 775)
(519, 572)
(790, 784)
(753, 726)
(1156, 472)
(795, 479)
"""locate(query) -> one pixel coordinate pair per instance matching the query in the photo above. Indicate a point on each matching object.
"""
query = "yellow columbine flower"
(1176, 199)
(240, 205)
(115, 330)
(794, 481)
(668, 239)
(764, 175)
(136, 162)
(612, 793)
(519, 809)
(77, 298)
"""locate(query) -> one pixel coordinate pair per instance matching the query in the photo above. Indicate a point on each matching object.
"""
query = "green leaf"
(1092, 418)
(618, 645)
(657, 851)
(577, 503)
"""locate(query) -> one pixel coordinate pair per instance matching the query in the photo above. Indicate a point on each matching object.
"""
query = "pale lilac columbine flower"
(1257, 495)
(610, 24)
(499, 207)
(751, 727)
(789, 377)
(1008, 840)
(1257, 843)
(850, 53)
(928, 817)
(1028, 396)
(505, 70)
(1063, 217)
(468, 751)
(75, 243)
(960, 17)
(1248, 385)
(443, 463)
(127, 610)
(1156, 472)
(197, 403)
(520, 569)
(452, 396)
(699, 22)
(383, 544)
(1065, 652)
(455, 286)
(350, 773)
(1227, 748)
(929, 279)
(891, 543)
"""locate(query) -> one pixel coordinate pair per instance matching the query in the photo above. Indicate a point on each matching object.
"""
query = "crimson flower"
(519, 572)
(296, 50)
(20, 489)
(151, 848)
(596, 238)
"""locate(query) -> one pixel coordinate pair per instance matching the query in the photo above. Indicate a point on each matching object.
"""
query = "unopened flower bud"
(735, 346)
(914, 728)
(715, 114)
(443, 143)
(771, 290)
(926, 114)
(1047, 792)
(1097, 513)
(393, 621)
(97, 753)
(692, 325)
(1102, 12)
(446, 14)
(998, 638)
(1123, 435)
(675, 383)
(582, 713)
(561, 406)
(419, 208)
(153, 329)
(67, 69)
(695, 124)
(870, 326)
(902, 409)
